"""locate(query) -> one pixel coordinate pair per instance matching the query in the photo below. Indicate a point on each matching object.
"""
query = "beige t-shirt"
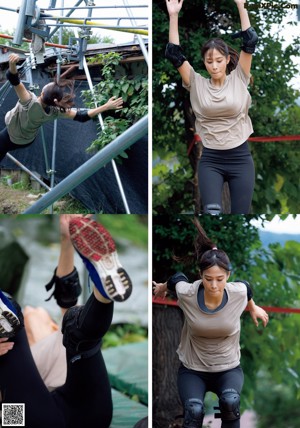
(222, 119)
(210, 342)
(25, 119)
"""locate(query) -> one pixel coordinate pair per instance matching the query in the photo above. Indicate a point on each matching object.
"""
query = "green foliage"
(133, 90)
(270, 356)
(69, 32)
(273, 112)
(121, 334)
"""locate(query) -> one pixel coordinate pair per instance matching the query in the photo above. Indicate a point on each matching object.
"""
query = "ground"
(15, 201)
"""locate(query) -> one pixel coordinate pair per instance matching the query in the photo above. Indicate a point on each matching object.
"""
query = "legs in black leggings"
(7, 146)
(194, 385)
(84, 400)
(86, 396)
(234, 166)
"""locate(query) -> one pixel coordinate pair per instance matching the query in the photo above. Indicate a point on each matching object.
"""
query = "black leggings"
(194, 384)
(84, 400)
(7, 146)
(234, 166)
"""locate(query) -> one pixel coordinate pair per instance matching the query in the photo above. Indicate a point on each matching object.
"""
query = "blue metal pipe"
(121, 143)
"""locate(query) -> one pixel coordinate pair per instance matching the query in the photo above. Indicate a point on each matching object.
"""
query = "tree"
(69, 32)
(273, 107)
(269, 356)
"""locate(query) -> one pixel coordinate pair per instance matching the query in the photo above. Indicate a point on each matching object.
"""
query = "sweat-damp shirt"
(222, 119)
(25, 119)
(210, 340)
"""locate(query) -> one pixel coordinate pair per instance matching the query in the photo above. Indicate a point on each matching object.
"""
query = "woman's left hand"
(114, 103)
(260, 313)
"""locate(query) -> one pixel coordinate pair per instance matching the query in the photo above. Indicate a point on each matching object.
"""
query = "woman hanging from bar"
(55, 101)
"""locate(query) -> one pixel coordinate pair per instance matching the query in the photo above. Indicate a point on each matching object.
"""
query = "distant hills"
(271, 237)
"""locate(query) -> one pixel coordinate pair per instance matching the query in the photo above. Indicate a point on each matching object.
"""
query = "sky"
(9, 19)
(290, 225)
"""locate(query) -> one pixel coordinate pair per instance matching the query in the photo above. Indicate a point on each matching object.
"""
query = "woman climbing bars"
(85, 397)
(55, 101)
(220, 105)
(209, 350)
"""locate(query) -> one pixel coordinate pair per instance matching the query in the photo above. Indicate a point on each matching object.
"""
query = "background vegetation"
(271, 356)
(274, 110)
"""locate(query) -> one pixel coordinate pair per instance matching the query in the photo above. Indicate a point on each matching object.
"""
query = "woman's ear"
(228, 59)
(228, 275)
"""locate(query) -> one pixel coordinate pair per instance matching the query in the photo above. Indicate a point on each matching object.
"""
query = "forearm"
(244, 17)
(251, 305)
(98, 110)
(173, 29)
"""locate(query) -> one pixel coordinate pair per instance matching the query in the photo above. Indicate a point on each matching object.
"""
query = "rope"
(169, 302)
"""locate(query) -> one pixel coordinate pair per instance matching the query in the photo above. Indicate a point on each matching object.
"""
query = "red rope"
(196, 139)
(169, 302)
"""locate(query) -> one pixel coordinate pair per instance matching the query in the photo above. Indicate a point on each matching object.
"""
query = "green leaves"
(133, 90)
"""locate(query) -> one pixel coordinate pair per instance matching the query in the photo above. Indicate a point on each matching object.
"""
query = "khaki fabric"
(25, 119)
(222, 119)
(210, 341)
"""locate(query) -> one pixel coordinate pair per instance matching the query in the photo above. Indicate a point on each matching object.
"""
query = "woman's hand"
(13, 61)
(160, 289)
(258, 312)
(114, 103)
(64, 222)
(5, 346)
(174, 6)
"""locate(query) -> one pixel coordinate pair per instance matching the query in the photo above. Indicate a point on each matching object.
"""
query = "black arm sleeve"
(249, 289)
(13, 78)
(82, 116)
(172, 281)
(174, 54)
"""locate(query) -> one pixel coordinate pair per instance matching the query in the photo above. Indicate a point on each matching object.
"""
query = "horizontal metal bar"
(96, 7)
(99, 160)
(103, 18)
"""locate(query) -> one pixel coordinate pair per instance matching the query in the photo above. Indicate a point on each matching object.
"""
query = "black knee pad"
(229, 404)
(193, 413)
(213, 209)
(77, 344)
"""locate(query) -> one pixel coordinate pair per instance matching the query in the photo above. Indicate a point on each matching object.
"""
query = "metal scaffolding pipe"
(19, 32)
(23, 167)
(140, 40)
(92, 7)
(100, 159)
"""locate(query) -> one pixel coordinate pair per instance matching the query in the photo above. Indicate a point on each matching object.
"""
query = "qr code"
(13, 415)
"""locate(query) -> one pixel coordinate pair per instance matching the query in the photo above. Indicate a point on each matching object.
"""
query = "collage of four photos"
(149, 214)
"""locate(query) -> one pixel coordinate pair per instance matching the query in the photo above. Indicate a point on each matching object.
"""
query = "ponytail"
(206, 254)
(59, 94)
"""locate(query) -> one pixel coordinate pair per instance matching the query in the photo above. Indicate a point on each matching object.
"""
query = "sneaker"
(98, 252)
(9, 321)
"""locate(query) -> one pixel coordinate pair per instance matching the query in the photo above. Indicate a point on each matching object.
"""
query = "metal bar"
(23, 167)
(54, 45)
(118, 179)
(140, 40)
(99, 160)
(106, 18)
(68, 14)
(19, 32)
(92, 7)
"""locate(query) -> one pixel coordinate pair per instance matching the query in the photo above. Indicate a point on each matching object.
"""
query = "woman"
(84, 395)
(209, 350)
(220, 105)
(25, 119)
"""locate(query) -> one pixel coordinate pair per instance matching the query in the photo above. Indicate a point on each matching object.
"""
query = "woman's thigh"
(190, 384)
(20, 382)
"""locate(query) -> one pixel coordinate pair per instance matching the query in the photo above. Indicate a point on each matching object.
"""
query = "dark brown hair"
(206, 254)
(224, 50)
(60, 94)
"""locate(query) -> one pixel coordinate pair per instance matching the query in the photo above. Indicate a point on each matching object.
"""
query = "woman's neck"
(212, 302)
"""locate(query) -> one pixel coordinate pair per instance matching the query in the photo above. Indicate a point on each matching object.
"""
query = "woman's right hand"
(5, 346)
(160, 289)
(174, 6)
(13, 61)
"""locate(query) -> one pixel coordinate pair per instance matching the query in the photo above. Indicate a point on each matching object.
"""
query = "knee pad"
(229, 405)
(193, 413)
(213, 209)
(77, 345)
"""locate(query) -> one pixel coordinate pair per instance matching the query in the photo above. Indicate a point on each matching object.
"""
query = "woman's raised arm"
(12, 75)
(174, 51)
(249, 38)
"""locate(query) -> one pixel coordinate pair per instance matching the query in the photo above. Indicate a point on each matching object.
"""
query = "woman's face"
(216, 64)
(214, 280)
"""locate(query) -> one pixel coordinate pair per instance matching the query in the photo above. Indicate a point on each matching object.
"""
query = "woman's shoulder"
(236, 287)
(187, 288)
